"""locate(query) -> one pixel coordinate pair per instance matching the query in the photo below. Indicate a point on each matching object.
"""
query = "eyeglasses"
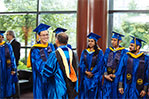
(44, 35)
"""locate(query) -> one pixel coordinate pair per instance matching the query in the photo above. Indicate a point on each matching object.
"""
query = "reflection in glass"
(67, 21)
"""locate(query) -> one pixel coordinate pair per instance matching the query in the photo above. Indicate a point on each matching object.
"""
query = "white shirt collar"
(11, 40)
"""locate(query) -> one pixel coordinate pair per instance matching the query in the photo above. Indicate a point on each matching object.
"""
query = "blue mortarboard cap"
(137, 41)
(2, 33)
(93, 36)
(117, 35)
(58, 30)
(41, 27)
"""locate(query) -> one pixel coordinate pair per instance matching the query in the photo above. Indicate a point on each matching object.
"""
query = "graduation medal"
(8, 61)
(140, 81)
(128, 76)
(109, 69)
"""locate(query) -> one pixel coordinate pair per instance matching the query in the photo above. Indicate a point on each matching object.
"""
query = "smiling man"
(37, 58)
(134, 71)
(61, 71)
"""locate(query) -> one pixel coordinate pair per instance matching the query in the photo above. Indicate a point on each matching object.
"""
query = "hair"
(62, 38)
(41, 31)
(11, 33)
(95, 47)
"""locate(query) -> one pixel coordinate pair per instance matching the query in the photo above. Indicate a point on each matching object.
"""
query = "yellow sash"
(2, 43)
(72, 76)
(135, 56)
(120, 48)
(29, 56)
(88, 49)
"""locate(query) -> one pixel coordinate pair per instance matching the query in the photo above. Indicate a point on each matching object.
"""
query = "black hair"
(95, 47)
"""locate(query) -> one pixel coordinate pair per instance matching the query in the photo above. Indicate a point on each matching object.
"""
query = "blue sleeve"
(122, 68)
(50, 67)
(82, 64)
(37, 62)
(13, 63)
(146, 82)
(99, 64)
(52, 46)
(105, 59)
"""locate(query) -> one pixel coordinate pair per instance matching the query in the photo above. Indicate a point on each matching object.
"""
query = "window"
(129, 17)
(22, 16)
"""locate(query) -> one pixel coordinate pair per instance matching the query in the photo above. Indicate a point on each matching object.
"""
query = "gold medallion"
(139, 81)
(128, 76)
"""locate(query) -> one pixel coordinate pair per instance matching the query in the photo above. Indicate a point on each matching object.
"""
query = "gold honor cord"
(135, 44)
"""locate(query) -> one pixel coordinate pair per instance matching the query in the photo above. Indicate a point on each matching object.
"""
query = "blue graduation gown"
(7, 81)
(130, 90)
(90, 86)
(39, 88)
(56, 83)
(110, 88)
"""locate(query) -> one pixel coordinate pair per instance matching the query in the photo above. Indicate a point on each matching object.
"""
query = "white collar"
(11, 40)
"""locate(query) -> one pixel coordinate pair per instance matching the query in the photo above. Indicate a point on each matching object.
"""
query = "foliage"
(136, 29)
(129, 27)
(23, 25)
(23, 66)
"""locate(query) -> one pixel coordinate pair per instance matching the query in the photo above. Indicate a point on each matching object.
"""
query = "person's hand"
(108, 77)
(13, 72)
(89, 74)
(113, 76)
(142, 93)
(121, 90)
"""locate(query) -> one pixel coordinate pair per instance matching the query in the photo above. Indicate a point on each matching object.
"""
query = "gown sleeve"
(50, 67)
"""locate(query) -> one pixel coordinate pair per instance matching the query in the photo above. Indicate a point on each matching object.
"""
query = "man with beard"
(134, 71)
(112, 57)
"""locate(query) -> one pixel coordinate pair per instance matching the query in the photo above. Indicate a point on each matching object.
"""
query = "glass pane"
(21, 25)
(131, 4)
(132, 24)
(67, 21)
(23, 60)
(18, 5)
(58, 5)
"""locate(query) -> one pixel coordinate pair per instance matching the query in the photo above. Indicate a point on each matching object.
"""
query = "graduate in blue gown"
(8, 76)
(112, 57)
(37, 59)
(134, 72)
(57, 31)
(91, 69)
(61, 71)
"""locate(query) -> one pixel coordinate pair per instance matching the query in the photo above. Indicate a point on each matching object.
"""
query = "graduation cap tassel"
(135, 44)
(118, 40)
